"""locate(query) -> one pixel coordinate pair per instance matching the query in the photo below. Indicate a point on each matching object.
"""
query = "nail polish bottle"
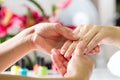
(37, 65)
(23, 70)
(15, 68)
(42, 70)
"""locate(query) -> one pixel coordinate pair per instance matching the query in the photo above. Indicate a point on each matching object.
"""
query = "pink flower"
(16, 21)
(35, 15)
(71, 27)
(2, 13)
(63, 4)
(8, 20)
(24, 19)
(3, 31)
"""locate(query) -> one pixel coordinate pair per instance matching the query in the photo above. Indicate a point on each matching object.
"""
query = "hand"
(78, 67)
(99, 35)
(51, 35)
(69, 46)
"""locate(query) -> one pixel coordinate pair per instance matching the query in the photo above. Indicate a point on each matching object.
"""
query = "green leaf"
(29, 13)
(8, 36)
(54, 8)
(39, 6)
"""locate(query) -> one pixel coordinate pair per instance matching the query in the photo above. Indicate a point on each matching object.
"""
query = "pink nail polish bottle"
(37, 65)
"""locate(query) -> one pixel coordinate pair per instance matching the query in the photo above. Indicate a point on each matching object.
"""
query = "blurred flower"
(63, 4)
(3, 31)
(8, 20)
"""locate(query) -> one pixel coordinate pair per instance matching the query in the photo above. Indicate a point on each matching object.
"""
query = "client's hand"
(69, 46)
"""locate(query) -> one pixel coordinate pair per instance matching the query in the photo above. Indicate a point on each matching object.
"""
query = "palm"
(52, 42)
(48, 38)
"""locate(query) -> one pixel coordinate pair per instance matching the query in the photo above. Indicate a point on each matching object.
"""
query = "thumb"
(66, 32)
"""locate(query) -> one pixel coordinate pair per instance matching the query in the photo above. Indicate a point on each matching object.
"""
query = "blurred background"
(16, 15)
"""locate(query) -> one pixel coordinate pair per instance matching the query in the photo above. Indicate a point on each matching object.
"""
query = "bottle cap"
(42, 61)
(38, 60)
(17, 63)
(22, 63)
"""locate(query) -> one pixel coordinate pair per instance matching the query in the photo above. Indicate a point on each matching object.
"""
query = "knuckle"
(85, 40)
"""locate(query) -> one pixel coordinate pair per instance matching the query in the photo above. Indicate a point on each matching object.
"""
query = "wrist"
(116, 37)
(24, 38)
(29, 39)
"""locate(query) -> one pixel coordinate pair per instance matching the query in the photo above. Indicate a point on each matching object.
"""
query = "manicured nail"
(75, 36)
(62, 51)
(85, 51)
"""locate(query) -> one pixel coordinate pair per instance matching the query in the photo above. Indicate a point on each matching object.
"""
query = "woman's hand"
(51, 35)
(69, 46)
(78, 67)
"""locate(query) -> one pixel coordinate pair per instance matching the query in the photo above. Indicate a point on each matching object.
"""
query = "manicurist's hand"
(79, 67)
(51, 35)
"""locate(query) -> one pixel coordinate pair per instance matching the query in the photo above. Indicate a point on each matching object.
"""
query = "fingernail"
(75, 36)
(85, 51)
(62, 52)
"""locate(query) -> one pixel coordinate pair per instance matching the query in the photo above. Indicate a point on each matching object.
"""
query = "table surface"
(98, 74)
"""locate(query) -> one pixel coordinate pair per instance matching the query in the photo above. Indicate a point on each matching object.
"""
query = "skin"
(44, 35)
(79, 66)
(91, 36)
(37, 38)
(69, 46)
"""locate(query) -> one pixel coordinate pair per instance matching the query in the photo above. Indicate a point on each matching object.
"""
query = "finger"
(62, 59)
(70, 50)
(80, 31)
(96, 50)
(77, 30)
(65, 32)
(65, 47)
(88, 37)
(78, 50)
(58, 63)
(68, 42)
(94, 41)
(84, 29)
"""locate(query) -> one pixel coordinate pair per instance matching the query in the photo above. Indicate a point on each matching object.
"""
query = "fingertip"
(75, 36)
(67, 56)
(53, 50)
(67, 33)
(62, 70)
(62, 51)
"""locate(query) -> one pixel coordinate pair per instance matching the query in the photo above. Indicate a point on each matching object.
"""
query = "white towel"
(114, 64)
